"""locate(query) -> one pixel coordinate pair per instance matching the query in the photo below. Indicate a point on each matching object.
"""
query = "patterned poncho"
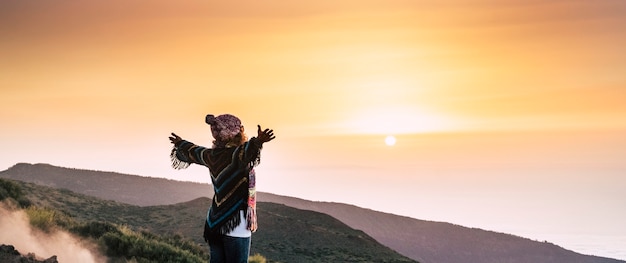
(232, 175)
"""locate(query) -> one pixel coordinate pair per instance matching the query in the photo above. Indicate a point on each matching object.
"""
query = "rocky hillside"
(8, 254)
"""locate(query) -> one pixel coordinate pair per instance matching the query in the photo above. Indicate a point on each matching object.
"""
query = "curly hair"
(239, 139)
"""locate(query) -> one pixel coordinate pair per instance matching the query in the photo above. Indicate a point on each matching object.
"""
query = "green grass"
(173, 233)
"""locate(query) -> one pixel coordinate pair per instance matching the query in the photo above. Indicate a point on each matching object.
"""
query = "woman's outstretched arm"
(185, 153)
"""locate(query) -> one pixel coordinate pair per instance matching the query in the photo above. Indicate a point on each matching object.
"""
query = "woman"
(231, 219)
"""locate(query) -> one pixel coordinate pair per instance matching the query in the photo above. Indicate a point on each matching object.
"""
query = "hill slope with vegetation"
(127, 231)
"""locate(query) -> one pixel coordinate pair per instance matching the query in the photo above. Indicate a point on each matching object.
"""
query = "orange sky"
(100, 85)
(439, 66)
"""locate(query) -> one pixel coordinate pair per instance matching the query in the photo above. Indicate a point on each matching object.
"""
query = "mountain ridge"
(424, 241)
(110, 185)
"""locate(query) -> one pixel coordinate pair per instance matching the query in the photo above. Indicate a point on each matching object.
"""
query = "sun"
(390, 140)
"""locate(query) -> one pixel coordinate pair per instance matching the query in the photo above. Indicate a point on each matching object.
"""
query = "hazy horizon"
(508, 115)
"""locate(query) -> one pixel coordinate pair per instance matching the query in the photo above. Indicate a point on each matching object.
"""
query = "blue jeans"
(227, 249)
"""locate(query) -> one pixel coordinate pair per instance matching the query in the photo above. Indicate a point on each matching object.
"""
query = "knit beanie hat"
(224, 127)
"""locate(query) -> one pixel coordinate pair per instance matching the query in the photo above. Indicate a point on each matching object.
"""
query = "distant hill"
(425, 241)
(286, 234)
(130, 189)
(428, 241)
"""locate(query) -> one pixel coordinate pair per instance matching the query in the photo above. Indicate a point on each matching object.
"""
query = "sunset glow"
(516, 107)
(396, 119)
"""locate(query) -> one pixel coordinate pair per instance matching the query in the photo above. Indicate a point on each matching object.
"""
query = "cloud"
(15, 230)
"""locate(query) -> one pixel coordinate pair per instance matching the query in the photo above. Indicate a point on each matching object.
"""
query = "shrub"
(132, 246)
(10, 189)
(257, 258)
(47, 219)
(94, 229)
(145, 247)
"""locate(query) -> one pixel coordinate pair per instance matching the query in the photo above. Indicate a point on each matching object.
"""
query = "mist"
(16, 230)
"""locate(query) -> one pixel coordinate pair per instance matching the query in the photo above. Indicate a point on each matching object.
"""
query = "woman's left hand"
(265, 135)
